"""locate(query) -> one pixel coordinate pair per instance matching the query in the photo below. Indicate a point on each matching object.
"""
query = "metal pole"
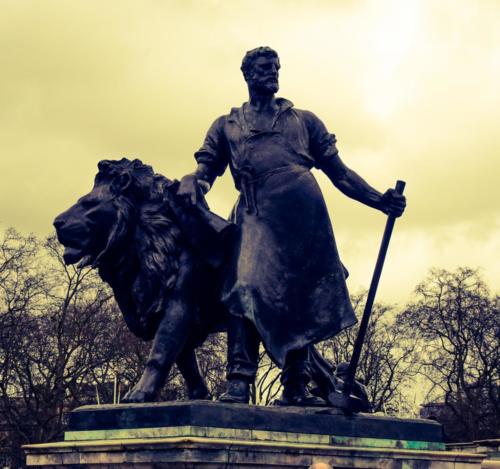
(363, 327)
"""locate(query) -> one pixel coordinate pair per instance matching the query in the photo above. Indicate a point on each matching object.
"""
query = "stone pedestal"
(200, 434)
(488, 449)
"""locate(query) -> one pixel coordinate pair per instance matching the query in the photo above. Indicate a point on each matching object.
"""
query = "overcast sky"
(410, 88)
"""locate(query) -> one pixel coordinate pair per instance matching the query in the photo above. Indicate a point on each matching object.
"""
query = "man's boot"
(295, 378)
(297, 394)
(237, 391)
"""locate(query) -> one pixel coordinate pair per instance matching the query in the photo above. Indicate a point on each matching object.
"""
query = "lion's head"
(124, 227)
(99, 219)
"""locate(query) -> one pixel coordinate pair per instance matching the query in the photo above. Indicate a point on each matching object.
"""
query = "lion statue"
(127, 228)
(165, 265)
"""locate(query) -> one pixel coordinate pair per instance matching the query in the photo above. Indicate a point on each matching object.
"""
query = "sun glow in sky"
(410, 88)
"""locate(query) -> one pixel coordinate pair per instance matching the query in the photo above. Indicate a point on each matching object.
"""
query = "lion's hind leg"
(188, 366)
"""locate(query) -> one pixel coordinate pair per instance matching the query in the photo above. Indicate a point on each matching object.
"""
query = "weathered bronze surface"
(165, 264)
(272, 274)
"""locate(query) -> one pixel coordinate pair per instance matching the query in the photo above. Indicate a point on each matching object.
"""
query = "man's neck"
(262, 102)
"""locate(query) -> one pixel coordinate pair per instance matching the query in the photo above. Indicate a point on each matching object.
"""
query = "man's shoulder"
(311, 120)
(233, 114)
(219, 123)
(306, 115)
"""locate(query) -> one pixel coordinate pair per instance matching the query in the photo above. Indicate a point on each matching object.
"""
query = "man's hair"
(252, 55)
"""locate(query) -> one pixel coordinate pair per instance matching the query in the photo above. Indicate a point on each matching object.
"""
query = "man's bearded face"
(264, 74)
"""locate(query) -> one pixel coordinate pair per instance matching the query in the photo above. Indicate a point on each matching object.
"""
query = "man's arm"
(327, 159)
(212, 161)
(355, 187)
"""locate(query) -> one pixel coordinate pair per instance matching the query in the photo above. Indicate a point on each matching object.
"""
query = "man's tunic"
(285, 274)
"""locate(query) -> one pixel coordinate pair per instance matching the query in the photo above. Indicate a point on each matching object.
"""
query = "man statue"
(285, 284)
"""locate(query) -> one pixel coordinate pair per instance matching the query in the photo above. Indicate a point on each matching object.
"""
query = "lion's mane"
(141, 257)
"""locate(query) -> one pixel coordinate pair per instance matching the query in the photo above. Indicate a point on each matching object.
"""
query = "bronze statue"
(285, 284)
(177, 269)
(165, 264)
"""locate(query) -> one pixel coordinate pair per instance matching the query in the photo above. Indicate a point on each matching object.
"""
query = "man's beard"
(265, 88)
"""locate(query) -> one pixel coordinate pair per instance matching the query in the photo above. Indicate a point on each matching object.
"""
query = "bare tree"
(267, 386)
(387, 365)
(457, 323)
(63, 341)
(212, 357)
(57, 335)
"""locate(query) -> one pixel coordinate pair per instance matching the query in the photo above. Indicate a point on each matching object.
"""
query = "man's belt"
(246, 180)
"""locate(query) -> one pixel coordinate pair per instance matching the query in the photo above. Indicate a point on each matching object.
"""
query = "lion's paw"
(136, 396)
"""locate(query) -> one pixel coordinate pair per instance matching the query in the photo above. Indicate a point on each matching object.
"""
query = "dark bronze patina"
(272, 274)
(285, 284)
(165, 264)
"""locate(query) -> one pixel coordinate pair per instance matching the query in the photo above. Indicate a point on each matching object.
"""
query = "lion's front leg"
(167, 344)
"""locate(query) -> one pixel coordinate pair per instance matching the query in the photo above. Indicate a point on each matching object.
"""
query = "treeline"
(64, 344)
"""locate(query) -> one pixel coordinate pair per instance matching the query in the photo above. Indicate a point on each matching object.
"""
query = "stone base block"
(211, 453)
(246, 422)
(200, 434)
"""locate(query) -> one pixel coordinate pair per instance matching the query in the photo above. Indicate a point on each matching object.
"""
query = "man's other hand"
(188, 191)
(393, 203)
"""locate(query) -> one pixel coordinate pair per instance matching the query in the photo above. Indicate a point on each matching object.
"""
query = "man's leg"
(297, 367)
(243, 354)
(295, 378)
